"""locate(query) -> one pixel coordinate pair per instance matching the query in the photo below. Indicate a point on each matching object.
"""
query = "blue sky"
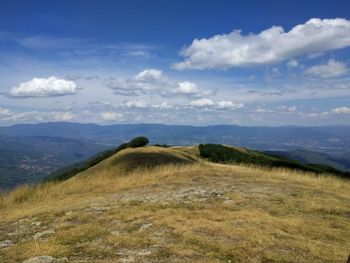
(175, 62)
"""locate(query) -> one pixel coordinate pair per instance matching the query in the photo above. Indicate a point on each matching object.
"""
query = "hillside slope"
(339, 161)
(155, 204)
(230, 154)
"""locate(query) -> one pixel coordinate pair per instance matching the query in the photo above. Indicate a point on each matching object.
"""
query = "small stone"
(215, 193)
(145, 227)
(228, 202)
(43, 234)
(143, 253)
(5, 244)
(36, 223)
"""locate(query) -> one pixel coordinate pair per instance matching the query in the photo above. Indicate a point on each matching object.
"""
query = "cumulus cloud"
(272, 45)
(263, 110)
(202, 103)
(44, 87)
(341, 110)
(111, 116)
(224, 104)
(154, 82)
(149, 75)
(148, 81)
(227, 104)
(187, 87)
(331, 112)
(331, 69)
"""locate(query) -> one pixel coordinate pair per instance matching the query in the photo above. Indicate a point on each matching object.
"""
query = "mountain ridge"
(196, 211)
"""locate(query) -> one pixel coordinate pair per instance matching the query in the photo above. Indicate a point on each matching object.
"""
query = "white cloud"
(272, 45)
(111, 116)
(202, 103)
(62, 116)
(149, 75)
(139, 104)
(187, 87)
(148, 81)
(330, 113)
(154, 82)
(5, 112)
(44, 87)
(227, 104)
(341, 110)
(293, 63)
(263, 110)
(286, 109)
(331, 69)
(224, 104)
(163, 105)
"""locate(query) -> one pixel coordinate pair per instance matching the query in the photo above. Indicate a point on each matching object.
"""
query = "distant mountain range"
(291, 137)
(28, 152)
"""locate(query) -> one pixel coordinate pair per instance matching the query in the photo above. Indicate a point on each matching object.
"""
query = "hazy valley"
(30, 153)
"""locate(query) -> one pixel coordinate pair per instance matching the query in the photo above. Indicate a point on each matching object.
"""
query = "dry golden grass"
(196, 212)
(2, 201)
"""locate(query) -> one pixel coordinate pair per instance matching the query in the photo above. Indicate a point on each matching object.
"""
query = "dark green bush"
(138, 142)
(223, 154)
(162, 145)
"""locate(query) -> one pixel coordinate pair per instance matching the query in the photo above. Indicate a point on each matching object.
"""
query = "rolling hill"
(212, 152)
(169, 204)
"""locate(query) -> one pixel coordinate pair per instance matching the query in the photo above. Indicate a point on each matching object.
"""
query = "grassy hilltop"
(157, 204)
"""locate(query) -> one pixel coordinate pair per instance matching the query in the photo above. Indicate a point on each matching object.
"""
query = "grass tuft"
(22, 194)
(2, 201)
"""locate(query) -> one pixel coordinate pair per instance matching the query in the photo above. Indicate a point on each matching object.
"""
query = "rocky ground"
(210, 214)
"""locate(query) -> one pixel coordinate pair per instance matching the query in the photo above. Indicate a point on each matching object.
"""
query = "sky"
(252, 63)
